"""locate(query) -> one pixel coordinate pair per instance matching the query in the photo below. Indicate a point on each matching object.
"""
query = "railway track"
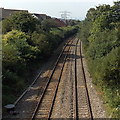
(46, 102)
(82, 100)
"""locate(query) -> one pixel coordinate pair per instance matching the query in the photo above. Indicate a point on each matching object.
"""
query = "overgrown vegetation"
(100, 33)
(27, 40)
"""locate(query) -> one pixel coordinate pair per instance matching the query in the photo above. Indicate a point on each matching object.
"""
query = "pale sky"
(77, 8)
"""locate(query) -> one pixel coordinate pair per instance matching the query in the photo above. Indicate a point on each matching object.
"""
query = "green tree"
(23, 21)
(42, 41)
(47, 24)
(6, 25)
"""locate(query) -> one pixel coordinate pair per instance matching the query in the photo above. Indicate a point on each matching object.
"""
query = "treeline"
(26, 41)
(100, 33)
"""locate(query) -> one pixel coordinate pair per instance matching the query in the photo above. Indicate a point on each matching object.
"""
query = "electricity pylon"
(65, 15)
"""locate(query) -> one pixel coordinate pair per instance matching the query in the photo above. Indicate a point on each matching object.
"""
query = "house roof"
(4, 13)
(59, 22)
(41, 16)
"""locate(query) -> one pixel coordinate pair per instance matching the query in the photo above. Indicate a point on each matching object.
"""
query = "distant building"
(4, 13)
(59, 22)
(40, 16)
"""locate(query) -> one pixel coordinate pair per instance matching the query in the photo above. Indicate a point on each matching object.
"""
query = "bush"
(22, 21)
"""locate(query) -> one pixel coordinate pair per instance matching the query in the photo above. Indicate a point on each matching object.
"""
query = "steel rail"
(76, 96)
